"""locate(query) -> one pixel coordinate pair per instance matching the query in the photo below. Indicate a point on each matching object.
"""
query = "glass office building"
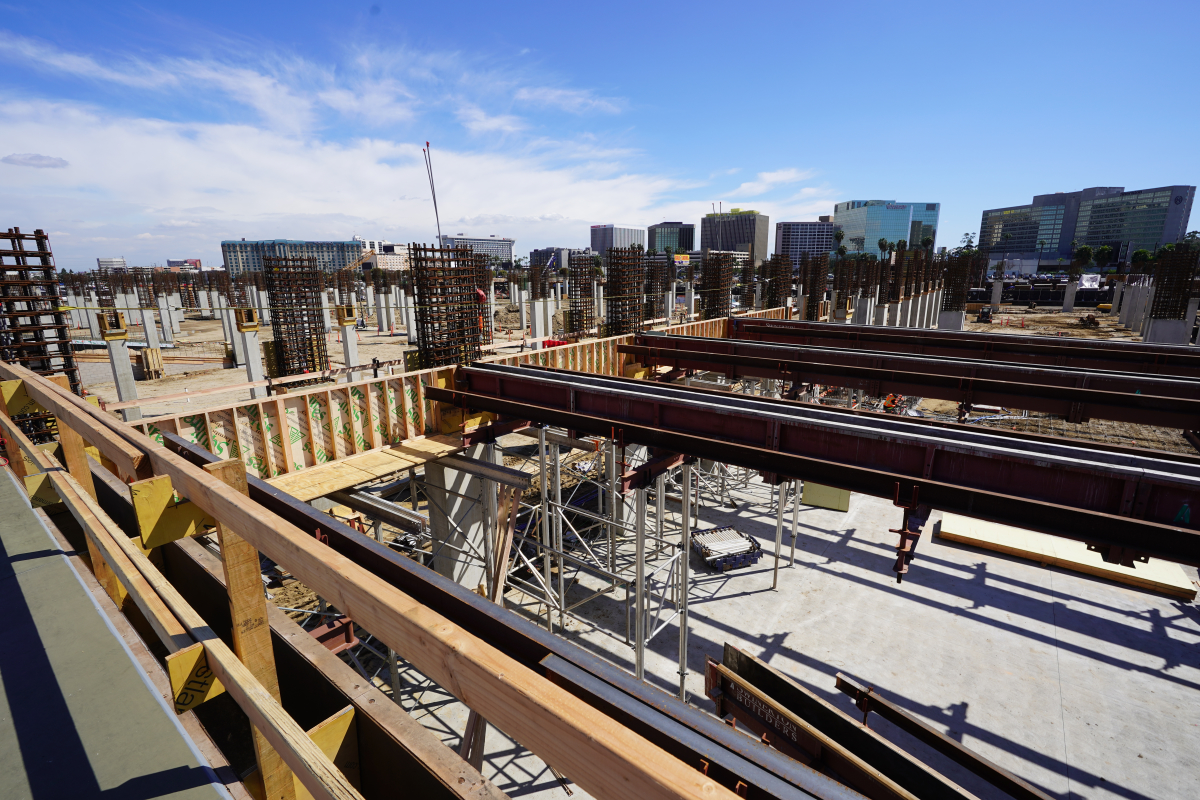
(677, 236)
(793, 239)
(606, 236)
(743, 231)
(864, 222)
(1048, 230)
(495, 247)
(244, 256)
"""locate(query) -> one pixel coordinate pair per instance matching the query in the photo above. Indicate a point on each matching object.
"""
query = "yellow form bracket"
(17, 399)
(338, 739)
(164, 516)
(192, 682)
(41, 490)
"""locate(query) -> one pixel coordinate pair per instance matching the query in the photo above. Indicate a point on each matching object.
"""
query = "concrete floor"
(1086, 688)
(78, 717)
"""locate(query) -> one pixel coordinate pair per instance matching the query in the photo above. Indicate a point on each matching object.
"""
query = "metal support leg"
(795, 518)
(684, 563)
(639, 627)
(556, 518)
(779, 532)
(545, 526)
(660, 510)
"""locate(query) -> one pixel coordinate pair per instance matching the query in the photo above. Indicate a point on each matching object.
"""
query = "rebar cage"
(298, 318)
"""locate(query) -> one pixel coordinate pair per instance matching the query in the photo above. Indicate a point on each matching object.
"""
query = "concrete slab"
(78, 717)
(1062, 678)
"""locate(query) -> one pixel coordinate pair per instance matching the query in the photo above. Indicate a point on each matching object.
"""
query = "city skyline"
(149, 131)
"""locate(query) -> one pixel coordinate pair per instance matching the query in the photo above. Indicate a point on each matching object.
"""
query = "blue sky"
(157, 130)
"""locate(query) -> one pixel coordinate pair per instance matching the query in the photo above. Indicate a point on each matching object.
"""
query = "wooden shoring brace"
(506, 526)
(251, 633)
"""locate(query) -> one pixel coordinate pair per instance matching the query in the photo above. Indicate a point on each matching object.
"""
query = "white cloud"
(35, 160)
(47, 56)
(476, 120)
(143, 187)
(576, 101)
(769, 180)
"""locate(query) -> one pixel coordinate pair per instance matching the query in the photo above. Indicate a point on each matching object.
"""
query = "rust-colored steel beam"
(1124, 504)
(1073, 394)
(1149, 359)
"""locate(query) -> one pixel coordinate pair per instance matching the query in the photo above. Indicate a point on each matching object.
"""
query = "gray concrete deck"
(78, 717)
(1086, 688)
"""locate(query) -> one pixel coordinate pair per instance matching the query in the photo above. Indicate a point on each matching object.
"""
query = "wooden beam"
(132, 464)
(251, 633)
(597, 752)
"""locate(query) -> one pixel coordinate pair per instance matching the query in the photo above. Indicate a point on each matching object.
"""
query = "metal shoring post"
(795, 518)
(393, 664)
(685, 547)
(545, 524)
(660, 510)
(639, 627)
(612, 508)
(779, 532)
(558, 538)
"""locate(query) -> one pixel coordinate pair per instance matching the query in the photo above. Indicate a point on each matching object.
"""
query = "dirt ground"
(1038, 322)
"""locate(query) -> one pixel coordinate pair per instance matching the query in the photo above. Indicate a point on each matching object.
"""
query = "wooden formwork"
(598, 752)
(303, 428)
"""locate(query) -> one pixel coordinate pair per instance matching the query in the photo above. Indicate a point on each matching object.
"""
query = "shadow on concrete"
(55, 761)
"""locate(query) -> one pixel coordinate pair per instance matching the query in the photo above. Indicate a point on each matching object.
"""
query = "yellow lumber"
(1156, 575)
(251, 633)
(821, 496)
(192, 680)
(597, 752)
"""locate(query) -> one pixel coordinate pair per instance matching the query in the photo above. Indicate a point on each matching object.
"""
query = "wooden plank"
(1156, 575)
(74, 455)
(131, 463)
(285, 436)
(251, 633)
(906, 771)
(597, 752)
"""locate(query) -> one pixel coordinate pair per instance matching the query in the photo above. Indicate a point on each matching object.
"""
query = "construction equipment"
(725, 548)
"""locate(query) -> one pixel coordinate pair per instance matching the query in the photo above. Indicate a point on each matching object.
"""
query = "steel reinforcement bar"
(1126, 505)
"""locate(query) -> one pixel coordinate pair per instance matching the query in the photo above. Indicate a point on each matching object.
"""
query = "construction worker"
(890, 403)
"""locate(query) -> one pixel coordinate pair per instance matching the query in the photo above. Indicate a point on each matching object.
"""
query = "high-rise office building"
(606, 236)
(865, 222)
(677, 236)
(243, 256)
(735, 229)
(1053, 225)
(493, 246)
(792, 239)
(110, 263)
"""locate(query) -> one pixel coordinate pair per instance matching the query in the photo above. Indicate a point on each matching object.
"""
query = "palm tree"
(927, 243)
(882, 244)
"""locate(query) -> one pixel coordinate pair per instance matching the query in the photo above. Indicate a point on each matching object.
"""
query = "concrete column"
(893, 316)
(1127, 302)
(1118, 290)
(997, 292)
(350, 350)
(522, 310)
(380, 316)
(164, 315)
(226, 330)
(369, 308)
(601, 313)
(202, 300)
(410, 322)
(689, 300)
(456, 522)
(150, 329)
(905, 312)
(325, 312)
(491, 307)
(239, 347)
(176, 306)
(1069, 296)
(118, 356)
(931, 310)
(93, 308)
(253, 360)
(1142, 313)
(539, 318)
(951, 320)
(758, 296)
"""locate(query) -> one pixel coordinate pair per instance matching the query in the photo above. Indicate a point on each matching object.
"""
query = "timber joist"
(1148, 359)
(1077, 395)
(1114, 500)
(601, 754)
